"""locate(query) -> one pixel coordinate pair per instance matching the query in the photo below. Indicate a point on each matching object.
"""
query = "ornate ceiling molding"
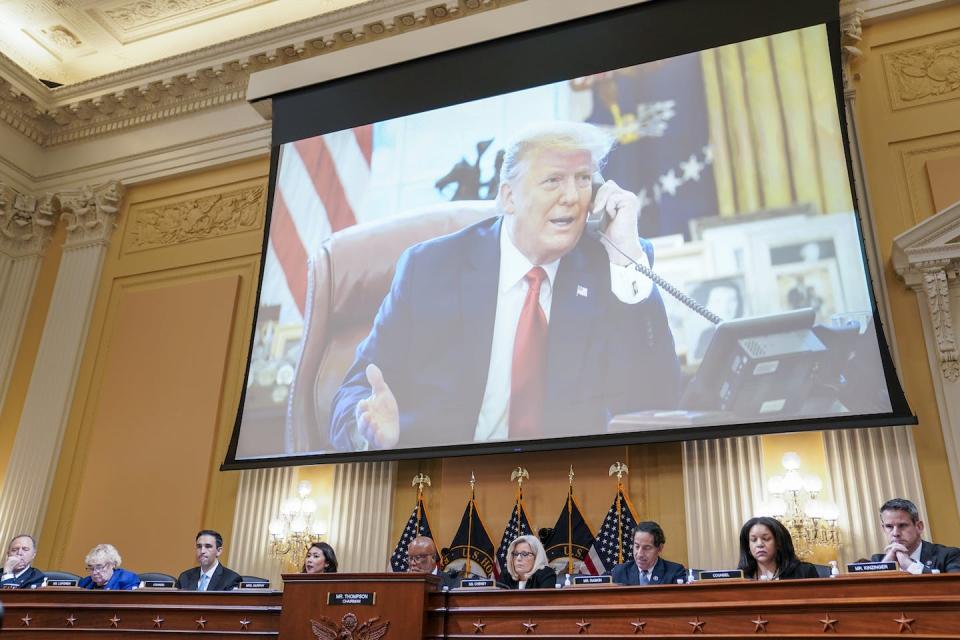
(206, 78)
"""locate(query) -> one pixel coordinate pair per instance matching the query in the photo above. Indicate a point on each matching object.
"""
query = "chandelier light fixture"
(795, 502)
(295, 528)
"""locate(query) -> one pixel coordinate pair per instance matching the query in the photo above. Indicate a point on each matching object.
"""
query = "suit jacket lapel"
(659, 570)
(926, 553)
(215, 578)
(478, 304)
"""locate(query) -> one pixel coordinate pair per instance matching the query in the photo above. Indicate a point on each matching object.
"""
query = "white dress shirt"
(628, 284)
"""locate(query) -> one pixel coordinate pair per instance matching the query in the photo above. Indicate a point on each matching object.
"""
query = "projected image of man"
(521, 326)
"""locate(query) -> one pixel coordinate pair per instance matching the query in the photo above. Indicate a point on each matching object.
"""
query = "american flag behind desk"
(320, 187)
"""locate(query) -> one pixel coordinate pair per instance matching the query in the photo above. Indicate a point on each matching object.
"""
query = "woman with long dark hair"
(766, 552)
(320, 559)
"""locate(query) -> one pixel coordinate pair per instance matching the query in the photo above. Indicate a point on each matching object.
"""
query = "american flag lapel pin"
(582, 290)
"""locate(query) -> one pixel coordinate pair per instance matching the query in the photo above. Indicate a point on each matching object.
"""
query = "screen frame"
(391, 91)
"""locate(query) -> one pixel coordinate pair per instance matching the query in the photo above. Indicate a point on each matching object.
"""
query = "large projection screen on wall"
(395, 317)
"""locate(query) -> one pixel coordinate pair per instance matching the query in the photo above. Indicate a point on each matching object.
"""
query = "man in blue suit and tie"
(17, 570)
(519, 327)
(647, 567)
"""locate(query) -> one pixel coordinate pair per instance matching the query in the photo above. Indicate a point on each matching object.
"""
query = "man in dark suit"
(901, 523)
(210, 575)
(521, 326)
(422, 558)
(647, 567)
(17, 570)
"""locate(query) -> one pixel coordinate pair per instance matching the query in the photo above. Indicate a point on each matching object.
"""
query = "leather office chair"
(61, 575)
(346, 282)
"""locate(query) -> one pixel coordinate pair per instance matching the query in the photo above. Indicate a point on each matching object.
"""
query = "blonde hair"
(556, 135)
(103, 554)
(538, 563)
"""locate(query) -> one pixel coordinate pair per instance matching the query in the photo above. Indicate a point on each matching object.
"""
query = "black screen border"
(540, 57)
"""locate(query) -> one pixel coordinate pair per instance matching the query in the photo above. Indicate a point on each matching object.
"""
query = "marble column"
(89, 215)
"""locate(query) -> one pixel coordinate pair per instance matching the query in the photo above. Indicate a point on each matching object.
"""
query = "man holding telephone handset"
(522, 326)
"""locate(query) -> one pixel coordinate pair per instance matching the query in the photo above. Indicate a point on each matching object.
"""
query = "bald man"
(422, 557)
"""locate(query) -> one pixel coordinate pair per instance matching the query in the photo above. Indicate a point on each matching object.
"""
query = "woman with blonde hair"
(527, 566)
(103, 567)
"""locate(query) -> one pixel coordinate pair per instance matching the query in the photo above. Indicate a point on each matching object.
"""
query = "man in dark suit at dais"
(646, 567)
(901, 523)
(521, 326)
(210, 575)
(17, 570)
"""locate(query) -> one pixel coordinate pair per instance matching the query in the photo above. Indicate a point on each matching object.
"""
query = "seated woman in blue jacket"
(103, 565)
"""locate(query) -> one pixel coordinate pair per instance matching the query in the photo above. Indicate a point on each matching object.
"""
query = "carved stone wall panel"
(913, 157)
(197, 217)
(924, 74)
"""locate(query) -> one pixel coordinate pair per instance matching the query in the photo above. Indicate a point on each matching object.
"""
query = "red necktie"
(528, 380)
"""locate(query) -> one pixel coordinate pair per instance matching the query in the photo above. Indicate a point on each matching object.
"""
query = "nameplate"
(871, 567)
(477, 583)
(62, 583)
(158, 584)
(254, 585)
(592, 579)
(729, 574)
(352, 598)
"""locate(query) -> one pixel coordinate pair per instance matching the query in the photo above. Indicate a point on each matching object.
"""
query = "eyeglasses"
(98, 568)
(522, 554)
(420, 558)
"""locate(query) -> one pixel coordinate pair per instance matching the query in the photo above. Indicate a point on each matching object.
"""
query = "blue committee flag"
(472, 548)
(571, 546)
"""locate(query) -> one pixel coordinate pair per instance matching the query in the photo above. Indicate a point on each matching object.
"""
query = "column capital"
(90, 213)
(851, 32)
(26, 225)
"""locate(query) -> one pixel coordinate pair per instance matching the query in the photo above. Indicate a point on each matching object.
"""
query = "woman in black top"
(527, 566)
(320, 559)
(766, 552)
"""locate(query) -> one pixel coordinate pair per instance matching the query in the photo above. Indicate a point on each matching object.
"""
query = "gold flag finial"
(420, 481)
(519, 474)
(570, 475)
(620, 469)
(473, 481)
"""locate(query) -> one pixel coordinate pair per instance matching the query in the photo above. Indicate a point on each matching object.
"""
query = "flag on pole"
(472, 548)
(615, 538)
(517, 526)
(417, 525)
(571, 548)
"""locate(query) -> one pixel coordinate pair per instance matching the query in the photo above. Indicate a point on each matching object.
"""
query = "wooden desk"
(867, 607)
(38, 614)
(875, 606)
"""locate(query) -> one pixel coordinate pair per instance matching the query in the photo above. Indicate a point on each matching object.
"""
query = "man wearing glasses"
(647, 567)
(422, 556)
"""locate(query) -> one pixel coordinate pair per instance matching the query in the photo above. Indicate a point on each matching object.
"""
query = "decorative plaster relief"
(938, 303)
(61, 37)
(57, 120)
(188, 220)
(851, 30)
(26, 223)
(923, 74)
(90, 213)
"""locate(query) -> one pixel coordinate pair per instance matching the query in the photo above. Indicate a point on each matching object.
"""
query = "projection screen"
(395, 318)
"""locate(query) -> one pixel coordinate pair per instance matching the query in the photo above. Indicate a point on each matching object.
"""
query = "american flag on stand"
(320, 187)
(615, 538)
(417, 525)
(517, 526)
